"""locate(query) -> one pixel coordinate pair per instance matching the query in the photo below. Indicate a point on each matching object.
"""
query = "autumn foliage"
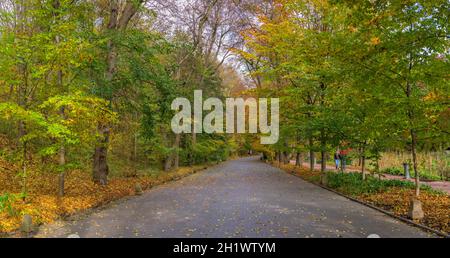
(44, 205)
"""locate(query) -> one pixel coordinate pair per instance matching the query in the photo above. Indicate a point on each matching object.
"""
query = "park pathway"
(239, 198)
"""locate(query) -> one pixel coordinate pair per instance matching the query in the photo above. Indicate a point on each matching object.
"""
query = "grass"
(427, 175)
(432, 165)
(352, 184)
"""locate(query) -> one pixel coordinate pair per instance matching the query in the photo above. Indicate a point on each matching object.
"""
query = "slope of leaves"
(44, 206)
(435, 206)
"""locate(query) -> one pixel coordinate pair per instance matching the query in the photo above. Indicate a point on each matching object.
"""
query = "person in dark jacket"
(342, 156)
(337, 159)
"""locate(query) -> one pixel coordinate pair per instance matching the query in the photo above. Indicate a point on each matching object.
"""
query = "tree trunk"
(311, 155)
(323, 164)
(61, 182)
(62, 174)
(176, 158)
(363, 167)
(359, 158)
(285, 157)
(411, 117)
(101, 169)
(363, 161)
(193, 142)
(24, 170)
(116, 23)
(323, 153)
(414, 156)
(298, 160)
(168, 163)
(22, 92)
(62, 149)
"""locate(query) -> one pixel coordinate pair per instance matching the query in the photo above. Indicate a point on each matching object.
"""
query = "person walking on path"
(342, 156)
(337, 159)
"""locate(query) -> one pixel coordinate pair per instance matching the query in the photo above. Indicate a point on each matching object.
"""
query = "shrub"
(352, 183)
(6, 203)
(424, 174)
(393, 171)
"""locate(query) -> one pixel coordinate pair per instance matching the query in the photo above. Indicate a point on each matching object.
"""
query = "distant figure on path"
(342, 155)
(337, 159)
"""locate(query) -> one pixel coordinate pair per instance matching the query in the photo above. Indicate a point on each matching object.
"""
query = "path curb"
(408, 221)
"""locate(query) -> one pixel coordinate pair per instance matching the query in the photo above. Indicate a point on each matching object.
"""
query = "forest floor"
(81, 193)
(238, 198)
(443, 186)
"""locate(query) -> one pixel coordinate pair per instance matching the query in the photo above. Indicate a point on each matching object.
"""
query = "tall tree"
(119, 17)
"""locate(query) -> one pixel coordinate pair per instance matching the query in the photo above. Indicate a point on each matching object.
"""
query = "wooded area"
(370, 76)
(86, 86)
